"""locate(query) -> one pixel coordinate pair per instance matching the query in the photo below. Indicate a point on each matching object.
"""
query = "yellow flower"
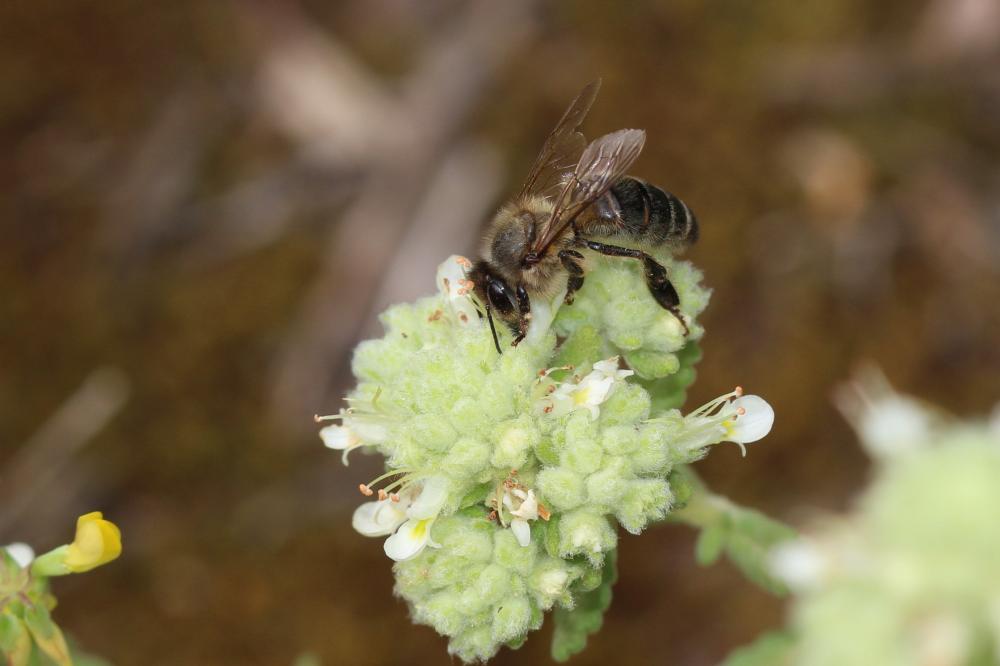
(97, 542)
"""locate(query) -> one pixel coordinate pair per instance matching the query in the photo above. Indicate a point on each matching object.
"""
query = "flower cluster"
(912, 575)
(508, 474)
(26, 628)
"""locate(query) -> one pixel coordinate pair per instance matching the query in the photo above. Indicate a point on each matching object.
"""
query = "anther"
(738, 391)
(741, 411)
(394, 497)
(382, 494)
(365, 490)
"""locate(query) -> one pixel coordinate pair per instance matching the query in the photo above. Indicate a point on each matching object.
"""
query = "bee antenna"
(493, 328)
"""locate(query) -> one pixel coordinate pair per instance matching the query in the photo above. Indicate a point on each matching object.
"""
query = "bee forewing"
(563, 145)
(602, 163)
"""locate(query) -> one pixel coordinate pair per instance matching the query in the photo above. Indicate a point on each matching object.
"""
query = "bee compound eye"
(499, 298)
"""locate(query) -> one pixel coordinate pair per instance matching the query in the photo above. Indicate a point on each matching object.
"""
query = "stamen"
(741, 410)
(463, 262)
(712, 405)
(548, 371)
(365, 490)
(376, 480)
(382, 494)
(328, 417)
(394, 497)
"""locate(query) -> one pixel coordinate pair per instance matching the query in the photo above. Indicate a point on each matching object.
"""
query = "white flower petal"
(521, 530)
(409, 540)
(22, 553)
(431, 498)
(451, 277)
(369, 433)
(378, 518)
(543, 311)
(895, 424)
(450, 274)
(800, 564)
(755, 423)
(337, 437)
(528, 510)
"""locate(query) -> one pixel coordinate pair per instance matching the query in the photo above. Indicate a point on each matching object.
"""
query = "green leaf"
(711, 543)
(752, 536)
(15, 642)
(572, 627)
(48, 637)
(82, 658)
(771, 649)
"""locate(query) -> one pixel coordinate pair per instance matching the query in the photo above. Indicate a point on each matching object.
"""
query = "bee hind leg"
(570, 260)
(659, 284)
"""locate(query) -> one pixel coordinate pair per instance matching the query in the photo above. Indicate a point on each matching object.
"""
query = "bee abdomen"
(653, 215)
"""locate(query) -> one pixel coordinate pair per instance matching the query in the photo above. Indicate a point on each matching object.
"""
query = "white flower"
(543, 312)
(526, 509)
(800, 564)
(609, 368)
(457, 289)
(749, 418)
(589, 392)
(414, 534)
(381, 517)
(733, 417)
(887, 423)
(22, 553)
(351, 433)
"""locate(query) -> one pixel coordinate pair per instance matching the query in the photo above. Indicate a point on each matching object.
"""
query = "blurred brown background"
(206, 203)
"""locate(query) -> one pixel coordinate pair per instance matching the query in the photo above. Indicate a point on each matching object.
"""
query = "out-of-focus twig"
(45, 456)
(155, 179)
(448, 219)
(418, 130)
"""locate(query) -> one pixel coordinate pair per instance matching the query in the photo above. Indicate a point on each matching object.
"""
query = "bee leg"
(524, 309)
(493, 328)
(656, 277)
(570, 261)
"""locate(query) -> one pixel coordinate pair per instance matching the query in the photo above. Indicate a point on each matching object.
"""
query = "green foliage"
(574, 625)
(747, 537)
(771, 649)
(912, 575)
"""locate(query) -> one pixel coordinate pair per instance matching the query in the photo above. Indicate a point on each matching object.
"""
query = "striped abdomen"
(634, 209)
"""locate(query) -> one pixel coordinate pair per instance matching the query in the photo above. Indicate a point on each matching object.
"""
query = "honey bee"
(563, 210)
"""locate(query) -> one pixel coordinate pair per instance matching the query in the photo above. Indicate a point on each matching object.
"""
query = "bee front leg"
(656, 277)
(524, 310)
(570, 260)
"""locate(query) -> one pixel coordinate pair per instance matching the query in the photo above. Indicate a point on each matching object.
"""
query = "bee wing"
(603, 162)
(563, 145)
